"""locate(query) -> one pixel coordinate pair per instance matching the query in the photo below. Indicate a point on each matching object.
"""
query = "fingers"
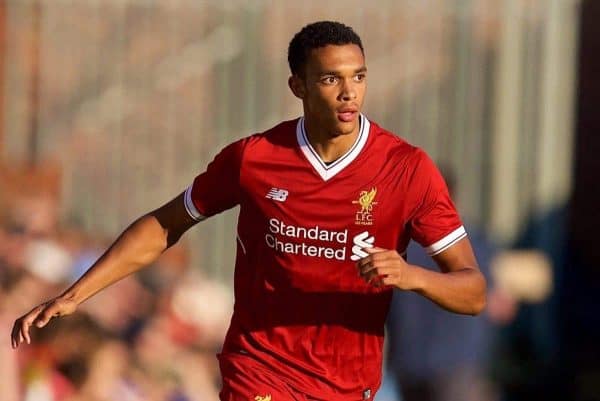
(374, 249)
(46, 315)
(381, 267)
(378, 258)
(25, 325)
(20, 331)
(380, 277)
(16, 338)
(380, 272)
(374, 279)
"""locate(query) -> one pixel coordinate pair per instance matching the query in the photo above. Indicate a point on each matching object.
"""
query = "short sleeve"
(435, 223)
(218, 188)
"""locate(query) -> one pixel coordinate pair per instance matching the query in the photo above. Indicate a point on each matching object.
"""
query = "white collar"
(328, 171)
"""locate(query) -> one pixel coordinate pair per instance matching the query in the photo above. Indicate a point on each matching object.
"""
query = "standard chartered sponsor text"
(284, 238)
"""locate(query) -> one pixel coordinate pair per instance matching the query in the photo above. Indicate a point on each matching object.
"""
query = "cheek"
(361, 90)
(323, 99)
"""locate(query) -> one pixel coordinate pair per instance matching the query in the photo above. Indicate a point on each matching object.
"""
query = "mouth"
(347, 114)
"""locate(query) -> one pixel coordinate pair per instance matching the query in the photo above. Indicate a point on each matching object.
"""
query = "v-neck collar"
(328, 171)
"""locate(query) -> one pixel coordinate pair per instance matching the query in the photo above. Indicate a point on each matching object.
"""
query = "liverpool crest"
(366, 200)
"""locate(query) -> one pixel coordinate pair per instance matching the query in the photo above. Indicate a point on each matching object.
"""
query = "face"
(332, 89)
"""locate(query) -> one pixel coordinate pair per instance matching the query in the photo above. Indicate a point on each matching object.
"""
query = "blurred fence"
(134, 97)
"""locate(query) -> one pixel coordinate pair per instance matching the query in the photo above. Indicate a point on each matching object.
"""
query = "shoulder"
(281, 134)
(276, 139)
(285, 131)
(397, 148)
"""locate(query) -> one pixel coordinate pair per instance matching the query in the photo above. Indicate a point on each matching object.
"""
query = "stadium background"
(109, 108)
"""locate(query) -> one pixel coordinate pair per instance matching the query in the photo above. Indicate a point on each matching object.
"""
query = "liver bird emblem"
(366, 200)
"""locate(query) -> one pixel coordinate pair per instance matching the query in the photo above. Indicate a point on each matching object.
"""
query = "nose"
(348, 90)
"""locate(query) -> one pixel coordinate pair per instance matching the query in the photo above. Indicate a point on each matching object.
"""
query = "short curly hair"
(315, 35)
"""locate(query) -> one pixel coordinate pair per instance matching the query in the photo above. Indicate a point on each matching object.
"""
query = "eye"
(329, 80)
(360, 77)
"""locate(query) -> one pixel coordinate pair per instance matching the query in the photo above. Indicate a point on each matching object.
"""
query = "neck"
(329, 146)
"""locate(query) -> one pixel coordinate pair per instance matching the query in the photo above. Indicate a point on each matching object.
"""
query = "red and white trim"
(190, 207)
(446, 242)
(328, 171)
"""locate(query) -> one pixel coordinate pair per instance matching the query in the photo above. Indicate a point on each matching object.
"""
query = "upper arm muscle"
(457, 257)
(174, 218)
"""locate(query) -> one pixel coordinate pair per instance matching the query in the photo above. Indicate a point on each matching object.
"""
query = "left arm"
(459, 287)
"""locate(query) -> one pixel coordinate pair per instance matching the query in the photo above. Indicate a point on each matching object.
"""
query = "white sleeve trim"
(190, 207)
(446, 242)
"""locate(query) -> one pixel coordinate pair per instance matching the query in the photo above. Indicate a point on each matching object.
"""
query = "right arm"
(138, 246)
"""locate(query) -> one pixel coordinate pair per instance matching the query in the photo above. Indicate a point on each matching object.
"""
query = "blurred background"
(109, 108)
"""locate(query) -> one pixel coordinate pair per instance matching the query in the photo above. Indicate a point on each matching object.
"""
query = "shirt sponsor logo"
(282, 237)
(360, 242)
(366, 200)
(322, 243)
(277, 194)
(261, 398)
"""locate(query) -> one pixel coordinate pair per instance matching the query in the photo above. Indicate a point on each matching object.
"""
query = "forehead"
(335, 58)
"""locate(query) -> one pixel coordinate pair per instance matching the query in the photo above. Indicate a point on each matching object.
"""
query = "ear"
(297, 86)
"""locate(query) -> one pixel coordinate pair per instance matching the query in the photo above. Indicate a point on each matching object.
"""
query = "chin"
(346, 128)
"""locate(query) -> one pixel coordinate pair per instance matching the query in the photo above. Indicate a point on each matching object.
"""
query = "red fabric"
(301, 309)
(245, 380)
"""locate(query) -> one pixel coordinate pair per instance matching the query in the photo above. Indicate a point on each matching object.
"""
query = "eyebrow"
(357, 71)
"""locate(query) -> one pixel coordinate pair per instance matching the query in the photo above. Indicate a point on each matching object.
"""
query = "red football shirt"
(301, 309)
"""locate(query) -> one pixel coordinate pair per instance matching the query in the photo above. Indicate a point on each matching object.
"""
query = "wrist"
(414, 278)
(71, 295)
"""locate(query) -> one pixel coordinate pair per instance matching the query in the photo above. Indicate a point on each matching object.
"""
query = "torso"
(301, 309)
(299, 299)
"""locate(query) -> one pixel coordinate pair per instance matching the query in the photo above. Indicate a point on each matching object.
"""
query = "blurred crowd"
(152, 336)
(106, 88)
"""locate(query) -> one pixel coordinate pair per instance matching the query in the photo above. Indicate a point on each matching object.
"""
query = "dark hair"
(315, 35)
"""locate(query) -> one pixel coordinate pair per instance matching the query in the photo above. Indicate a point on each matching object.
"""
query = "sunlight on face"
(333, 89)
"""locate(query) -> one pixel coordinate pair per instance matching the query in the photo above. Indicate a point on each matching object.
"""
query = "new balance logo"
(277, 194)
(361, 241)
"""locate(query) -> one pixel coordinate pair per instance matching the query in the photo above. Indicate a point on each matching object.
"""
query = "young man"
(328, 203)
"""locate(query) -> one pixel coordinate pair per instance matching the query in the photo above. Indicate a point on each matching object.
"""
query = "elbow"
(478, 306)
(480, 299)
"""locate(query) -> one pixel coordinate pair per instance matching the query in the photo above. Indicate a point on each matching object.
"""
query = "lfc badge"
(366, 200)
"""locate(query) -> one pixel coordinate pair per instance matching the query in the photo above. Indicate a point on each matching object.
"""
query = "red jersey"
(301, 309)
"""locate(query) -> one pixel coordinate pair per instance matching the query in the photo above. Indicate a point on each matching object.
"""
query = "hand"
(40, 316)
(385, 267)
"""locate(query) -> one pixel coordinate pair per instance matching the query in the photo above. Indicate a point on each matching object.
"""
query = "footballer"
(328, 203)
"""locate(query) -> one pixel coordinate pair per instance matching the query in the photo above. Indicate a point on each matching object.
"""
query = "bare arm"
(138, 246)
(459, 287)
